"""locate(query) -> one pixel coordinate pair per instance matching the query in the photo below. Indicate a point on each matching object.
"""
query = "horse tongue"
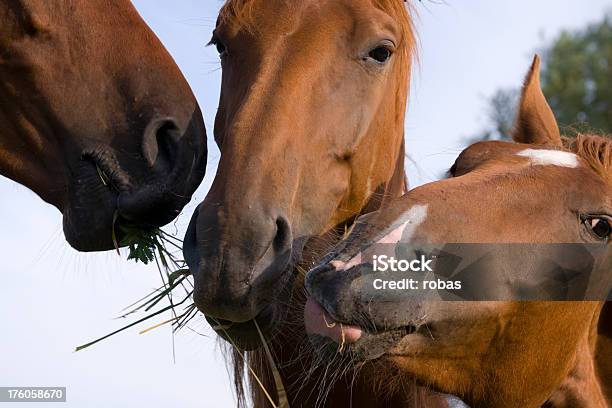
(318, 322)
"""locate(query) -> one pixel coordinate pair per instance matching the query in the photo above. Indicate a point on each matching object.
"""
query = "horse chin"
(268, 303)
(89, 213)
(245, 336)
(329, 337)
(96, 235)
(92, 217)
(370, 346)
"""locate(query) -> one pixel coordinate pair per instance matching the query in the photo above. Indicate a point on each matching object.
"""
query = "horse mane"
(239, 11)
(595, 150)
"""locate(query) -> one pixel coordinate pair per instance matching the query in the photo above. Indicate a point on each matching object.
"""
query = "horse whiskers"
(356, 372)
(327, 372)
(281, 393)
(328, 379)
(429, 331)
(341, 368)
(308, 360)
(340, 365)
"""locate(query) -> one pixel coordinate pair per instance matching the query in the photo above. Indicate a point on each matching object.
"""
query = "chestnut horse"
(540, 189)
(97, 118)
(310, 126)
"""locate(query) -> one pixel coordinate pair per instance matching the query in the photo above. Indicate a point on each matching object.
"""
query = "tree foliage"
(500, 115)
(576, 68)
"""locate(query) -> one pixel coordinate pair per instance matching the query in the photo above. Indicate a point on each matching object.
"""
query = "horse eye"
(380, 54)
(599, 226)
(220, 47)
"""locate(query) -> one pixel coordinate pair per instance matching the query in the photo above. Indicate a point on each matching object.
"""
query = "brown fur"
(496, 353)
(273, 61)
(86, 84)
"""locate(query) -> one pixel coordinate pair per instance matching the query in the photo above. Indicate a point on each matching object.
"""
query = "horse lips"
(318, 322)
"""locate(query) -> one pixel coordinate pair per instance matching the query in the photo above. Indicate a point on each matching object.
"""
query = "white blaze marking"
(342, 266)
(394, 236)
(550, 158)
(415, 217)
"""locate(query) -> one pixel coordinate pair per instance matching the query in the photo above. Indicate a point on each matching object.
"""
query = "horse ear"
(535, 122)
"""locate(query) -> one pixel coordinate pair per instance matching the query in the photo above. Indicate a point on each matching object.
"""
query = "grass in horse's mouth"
(144, 243)
(148, 246)
(156, 245)
(109, 178)
(103, 176)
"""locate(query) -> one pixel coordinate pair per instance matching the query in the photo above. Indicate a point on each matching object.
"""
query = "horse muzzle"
(110, 189)
(339, 311)
(241, 274)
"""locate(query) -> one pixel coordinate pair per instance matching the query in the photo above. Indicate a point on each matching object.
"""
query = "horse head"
(310, 128)
(497, 352)
(98, 119)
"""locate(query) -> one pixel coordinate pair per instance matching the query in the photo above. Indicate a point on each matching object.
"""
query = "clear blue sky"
(52, 298)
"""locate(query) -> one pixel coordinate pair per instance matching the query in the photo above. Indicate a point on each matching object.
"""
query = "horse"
(97, 118)
(541, 189)
(310, 126)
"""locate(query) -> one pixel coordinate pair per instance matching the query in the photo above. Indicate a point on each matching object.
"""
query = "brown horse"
(97, 118)
(310, 126)
(491, 353)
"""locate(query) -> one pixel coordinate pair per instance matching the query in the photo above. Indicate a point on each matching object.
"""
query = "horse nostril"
(282, 240)
(160, 144)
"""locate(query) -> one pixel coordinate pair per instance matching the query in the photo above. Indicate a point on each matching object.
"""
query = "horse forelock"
(401, 11)
(241, 13)
(237, 10)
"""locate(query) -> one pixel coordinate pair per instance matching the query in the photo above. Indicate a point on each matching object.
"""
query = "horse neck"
(603, 349)
(582, 386)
